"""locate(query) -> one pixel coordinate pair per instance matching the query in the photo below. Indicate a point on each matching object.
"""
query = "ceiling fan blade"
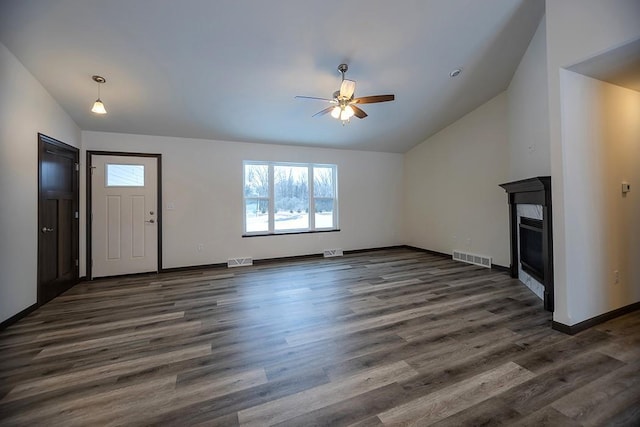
(374, 99)
(323, 112)
(358, 112)
(347, 88)
(314, 97)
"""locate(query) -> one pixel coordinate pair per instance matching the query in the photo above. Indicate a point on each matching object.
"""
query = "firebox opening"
(531, 247)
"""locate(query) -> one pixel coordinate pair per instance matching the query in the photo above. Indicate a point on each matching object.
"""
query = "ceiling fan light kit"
(343, 100)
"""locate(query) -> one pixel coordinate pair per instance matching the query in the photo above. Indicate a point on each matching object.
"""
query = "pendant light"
(98, 106)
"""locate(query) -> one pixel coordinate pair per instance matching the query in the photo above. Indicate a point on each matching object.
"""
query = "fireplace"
(531, 247)
(532, 235)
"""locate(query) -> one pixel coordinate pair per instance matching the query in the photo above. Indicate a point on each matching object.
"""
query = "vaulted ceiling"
(229, 69)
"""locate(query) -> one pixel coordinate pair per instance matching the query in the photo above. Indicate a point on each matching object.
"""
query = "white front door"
(124, 208)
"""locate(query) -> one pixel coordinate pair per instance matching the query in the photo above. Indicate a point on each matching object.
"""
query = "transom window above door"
(124, 175)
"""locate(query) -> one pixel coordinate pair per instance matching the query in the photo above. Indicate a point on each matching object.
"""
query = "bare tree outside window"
(256, 193)
(291, 185)
(324, 194)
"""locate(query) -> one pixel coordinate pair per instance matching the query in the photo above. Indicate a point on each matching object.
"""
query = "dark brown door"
(57, 217)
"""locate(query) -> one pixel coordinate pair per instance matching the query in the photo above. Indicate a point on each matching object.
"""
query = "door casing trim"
(89, 249)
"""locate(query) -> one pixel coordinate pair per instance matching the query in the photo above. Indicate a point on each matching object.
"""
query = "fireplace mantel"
(533, 191)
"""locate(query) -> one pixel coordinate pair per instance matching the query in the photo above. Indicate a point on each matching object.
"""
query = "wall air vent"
(481, 260)
(239, 262)
(329, 253)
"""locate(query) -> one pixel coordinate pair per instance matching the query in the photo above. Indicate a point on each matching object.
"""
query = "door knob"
(47, 230)
(151, 221)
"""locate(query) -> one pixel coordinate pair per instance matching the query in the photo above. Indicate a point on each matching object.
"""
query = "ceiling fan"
(343, 103)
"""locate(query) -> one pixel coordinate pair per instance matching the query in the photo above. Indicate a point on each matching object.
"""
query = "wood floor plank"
(547, 417)
(109, 370)
(364, 287)
(199, 279)
(145, 333)
(114, 405)
(626, 349)
(551, 385)
(90, 329)
(380, 321)
(352, 410)
(489, 412)
(289, 407)
(223, 406)
(409, 336)
(457, 397)
(547, 357)
(603, 398)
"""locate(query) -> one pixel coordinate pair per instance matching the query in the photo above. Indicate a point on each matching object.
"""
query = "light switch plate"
(626, 187)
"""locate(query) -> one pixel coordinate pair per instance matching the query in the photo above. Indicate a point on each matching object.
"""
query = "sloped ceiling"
(229, 69)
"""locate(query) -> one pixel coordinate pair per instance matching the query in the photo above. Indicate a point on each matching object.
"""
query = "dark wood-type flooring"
(389, 337)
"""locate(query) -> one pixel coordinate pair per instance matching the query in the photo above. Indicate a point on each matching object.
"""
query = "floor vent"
(329, 253)
(481, 260)
(239, 262)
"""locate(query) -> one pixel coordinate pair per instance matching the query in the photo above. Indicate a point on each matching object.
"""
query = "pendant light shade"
(98, 106)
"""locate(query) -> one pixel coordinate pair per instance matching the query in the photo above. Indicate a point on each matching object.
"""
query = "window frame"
(271, 231)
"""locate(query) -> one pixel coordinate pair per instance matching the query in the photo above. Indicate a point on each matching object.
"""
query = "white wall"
(576, 30)
(25, 109)
(601, 147)
(203, 179)
(528, 111)
(453, 200)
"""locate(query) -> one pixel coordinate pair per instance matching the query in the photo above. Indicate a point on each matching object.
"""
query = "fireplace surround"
(532, 250)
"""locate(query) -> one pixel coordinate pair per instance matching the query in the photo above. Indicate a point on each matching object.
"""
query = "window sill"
(285, 233)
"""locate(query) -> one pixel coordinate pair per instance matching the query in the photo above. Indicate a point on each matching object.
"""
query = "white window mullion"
(272, 211)
(312, 201)
(244, 211)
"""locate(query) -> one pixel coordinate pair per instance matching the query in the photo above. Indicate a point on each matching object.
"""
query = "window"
(278, 197)
(256, 198)
(125, 175)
